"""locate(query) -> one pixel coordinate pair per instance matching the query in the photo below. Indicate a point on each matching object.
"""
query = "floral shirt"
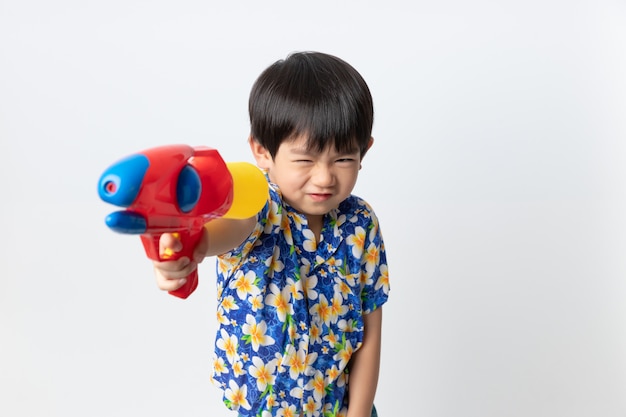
(290, 309)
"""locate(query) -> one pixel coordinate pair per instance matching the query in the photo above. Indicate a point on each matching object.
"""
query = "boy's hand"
(170, 275)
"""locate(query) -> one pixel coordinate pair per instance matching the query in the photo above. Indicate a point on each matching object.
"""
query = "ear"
(369, 145)
(261, 155)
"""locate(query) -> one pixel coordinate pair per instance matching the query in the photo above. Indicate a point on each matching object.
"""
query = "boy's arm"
(364, 367)
(226, 234)
(219, 236)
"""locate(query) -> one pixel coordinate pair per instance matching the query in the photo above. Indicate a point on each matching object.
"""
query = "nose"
(323, 176)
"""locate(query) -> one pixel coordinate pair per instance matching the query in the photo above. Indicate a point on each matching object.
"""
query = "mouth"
(320, 197)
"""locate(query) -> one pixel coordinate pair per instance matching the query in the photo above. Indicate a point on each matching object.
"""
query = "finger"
(170, 278)
(177, 269)
(169, 243)
(170, 284)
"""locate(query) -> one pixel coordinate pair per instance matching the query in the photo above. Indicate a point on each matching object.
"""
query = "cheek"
(350, 178)
(287, 178)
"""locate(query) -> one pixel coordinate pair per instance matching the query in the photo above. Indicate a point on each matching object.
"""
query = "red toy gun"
(178, 189)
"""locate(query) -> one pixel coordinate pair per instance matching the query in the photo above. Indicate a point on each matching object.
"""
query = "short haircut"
(313, 94)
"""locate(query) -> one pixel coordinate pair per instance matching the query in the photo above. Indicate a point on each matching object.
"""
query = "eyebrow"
(301, 151)
(308, 152)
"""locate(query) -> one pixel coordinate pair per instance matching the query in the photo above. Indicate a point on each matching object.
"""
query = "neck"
(315, 222)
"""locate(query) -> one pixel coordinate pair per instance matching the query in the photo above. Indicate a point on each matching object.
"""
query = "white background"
(498, 174)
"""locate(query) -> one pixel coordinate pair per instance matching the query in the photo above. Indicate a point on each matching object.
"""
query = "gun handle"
(189, 240)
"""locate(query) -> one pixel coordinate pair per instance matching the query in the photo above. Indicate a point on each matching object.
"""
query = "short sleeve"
(374, 272)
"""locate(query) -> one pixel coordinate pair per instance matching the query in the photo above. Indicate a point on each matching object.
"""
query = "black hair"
(313, 94)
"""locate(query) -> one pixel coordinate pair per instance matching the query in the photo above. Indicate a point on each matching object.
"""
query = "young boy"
(300, 285)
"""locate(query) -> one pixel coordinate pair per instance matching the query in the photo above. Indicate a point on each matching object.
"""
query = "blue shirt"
(290, 309)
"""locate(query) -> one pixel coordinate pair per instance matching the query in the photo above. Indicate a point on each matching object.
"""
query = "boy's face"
(311, 182)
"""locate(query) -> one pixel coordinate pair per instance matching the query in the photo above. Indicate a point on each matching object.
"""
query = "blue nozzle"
(120, 183)
(127, 222)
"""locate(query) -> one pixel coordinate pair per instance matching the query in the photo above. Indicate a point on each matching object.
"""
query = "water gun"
(178, 189)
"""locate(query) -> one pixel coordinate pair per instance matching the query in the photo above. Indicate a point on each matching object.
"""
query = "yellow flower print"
(352, 279)
(221, 318)
(333, 263)
(340, 220)
(293, 331)
(273, 217)
(383, 280)
(317, 385)
(219, 366)
(331, 338)
(238, 368)
(244, 284)
(279, 361)
(348, 326)
(274, 264)
(315, 333)
(372, 257)
(322, 310)
(286, 231)
(295, 288)
(280, 300)
(341, 380)
(236, 395)
(264, 373)
(295, 361)
(337, 308)
(271, 401)
(220, 289)
(357, 241)
(229, 344)
(228, 303)
(254, 333)
(256, 302)
(309, 287)
(227, 262)
(287, 410)
(309, 244)
(342, 287)
(309, 407)
(344, 354)
(366, 277)
(332, 374)
(247, 247)
(310, 357)
(298, 220)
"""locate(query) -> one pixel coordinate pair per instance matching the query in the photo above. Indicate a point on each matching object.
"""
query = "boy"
(300, 285)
